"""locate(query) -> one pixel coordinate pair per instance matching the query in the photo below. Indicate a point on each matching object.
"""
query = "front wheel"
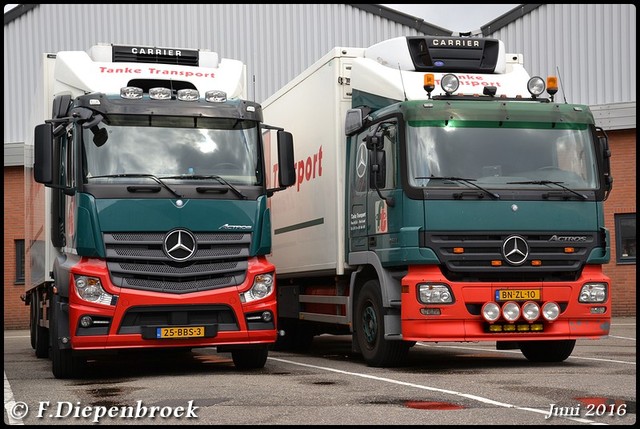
(547, 351)
(369, 327)
(250, 358)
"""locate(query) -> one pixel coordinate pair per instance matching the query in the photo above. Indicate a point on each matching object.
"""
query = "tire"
(40, 340)
(64, 363)
(369, 327)
(254, 358)
(547, 351)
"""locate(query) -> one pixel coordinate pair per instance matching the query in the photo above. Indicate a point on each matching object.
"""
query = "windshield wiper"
(150, 176)
(461, 179)
(550, 182)
(210, 176)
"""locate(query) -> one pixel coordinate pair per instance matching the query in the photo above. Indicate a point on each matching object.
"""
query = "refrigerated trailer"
(441, 195)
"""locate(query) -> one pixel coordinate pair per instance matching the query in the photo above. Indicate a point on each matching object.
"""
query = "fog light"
(490, 312)
(530, 311)
(86, 321)
(267, 316)
(430, 311)
(511, 311)
(598, 310)
(550, 311)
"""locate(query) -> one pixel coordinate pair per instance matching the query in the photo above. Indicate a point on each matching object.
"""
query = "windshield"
(501, 157)
(175, 148)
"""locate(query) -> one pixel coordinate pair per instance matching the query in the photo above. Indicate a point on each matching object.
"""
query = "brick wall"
(622, 200)
(16, 314)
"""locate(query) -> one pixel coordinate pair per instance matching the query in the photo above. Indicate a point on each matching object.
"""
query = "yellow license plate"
(180, 332)
(518, 294)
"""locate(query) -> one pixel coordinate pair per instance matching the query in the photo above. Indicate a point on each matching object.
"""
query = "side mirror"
(353, 121)
(286, 171)
(603, 143)
(43, 154)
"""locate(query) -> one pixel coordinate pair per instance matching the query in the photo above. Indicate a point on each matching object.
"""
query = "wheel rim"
(369, 324)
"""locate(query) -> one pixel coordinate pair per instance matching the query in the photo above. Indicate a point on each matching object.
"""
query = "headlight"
(262, 288)
(90, 289)
(434, 294)
(593, 292)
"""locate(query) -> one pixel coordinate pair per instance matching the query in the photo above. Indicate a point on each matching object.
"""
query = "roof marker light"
(215, 96)
(160, 93)
(188, 94)
(131, 92)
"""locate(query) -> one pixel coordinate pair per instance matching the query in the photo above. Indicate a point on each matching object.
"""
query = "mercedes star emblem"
(515, 250)
(179, 245)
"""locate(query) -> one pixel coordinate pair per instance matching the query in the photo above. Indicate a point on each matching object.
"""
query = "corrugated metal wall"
(276, 41)
(592, 45)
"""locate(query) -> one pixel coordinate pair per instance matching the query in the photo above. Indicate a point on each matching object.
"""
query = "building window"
(625, 238)
(19, 261)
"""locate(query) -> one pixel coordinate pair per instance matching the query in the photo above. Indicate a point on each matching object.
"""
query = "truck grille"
(475, 264)
(137, 261)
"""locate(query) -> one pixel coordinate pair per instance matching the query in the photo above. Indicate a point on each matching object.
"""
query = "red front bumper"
(136, 310)
(462, 320)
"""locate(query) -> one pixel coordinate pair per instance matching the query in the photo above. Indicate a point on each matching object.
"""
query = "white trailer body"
(39, 249)
(311, 237)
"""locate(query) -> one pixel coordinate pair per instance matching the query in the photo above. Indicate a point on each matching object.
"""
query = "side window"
(625, 225)
(19, 262)
(391, 149)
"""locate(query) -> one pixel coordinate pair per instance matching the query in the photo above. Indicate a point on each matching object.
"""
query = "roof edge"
(507, 18)
(418, 24)
(17, 11)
